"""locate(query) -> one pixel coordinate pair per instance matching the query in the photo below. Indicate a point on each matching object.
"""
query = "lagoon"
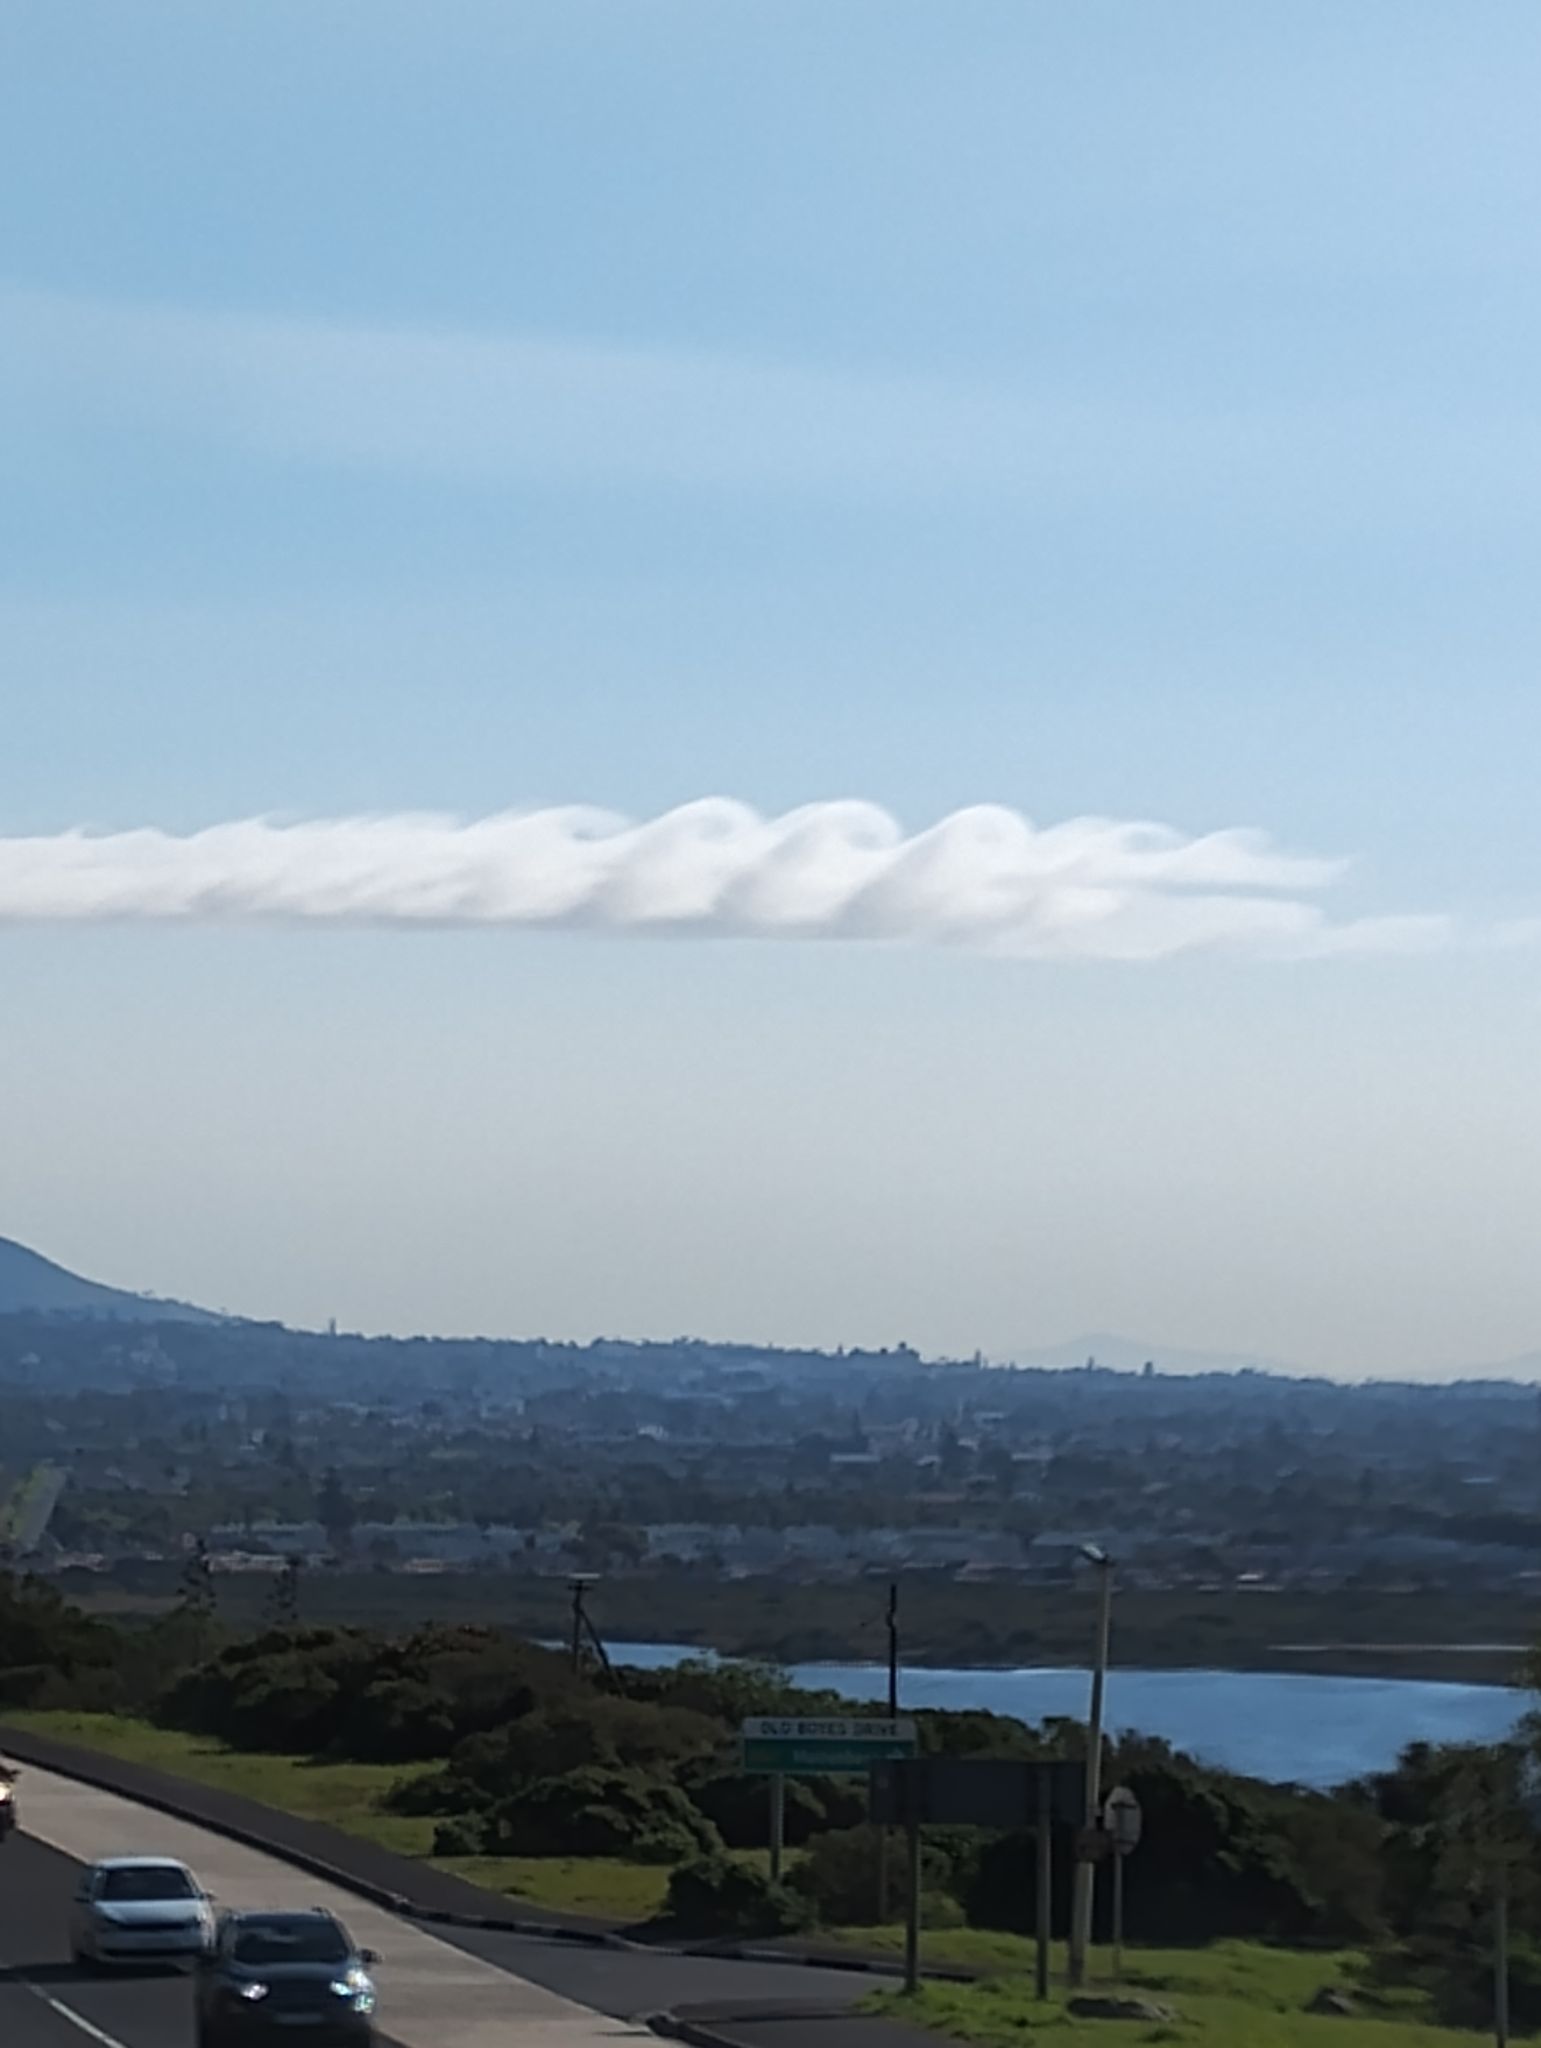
(1289, 1726)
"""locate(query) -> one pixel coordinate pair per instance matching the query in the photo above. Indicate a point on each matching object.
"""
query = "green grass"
(1232, 1995)
(352, 1797)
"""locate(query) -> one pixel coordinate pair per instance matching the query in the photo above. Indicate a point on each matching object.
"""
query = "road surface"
(455, 1990)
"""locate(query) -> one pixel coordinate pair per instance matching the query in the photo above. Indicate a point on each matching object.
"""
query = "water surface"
(1283, 1725)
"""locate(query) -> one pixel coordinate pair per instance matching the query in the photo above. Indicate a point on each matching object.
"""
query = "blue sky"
(1104, 410)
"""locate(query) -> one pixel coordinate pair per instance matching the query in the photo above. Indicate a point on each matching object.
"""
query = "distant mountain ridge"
(33, 1285)
(1128, 1354)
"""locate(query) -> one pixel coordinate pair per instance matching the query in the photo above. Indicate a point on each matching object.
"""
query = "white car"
(131, 1909)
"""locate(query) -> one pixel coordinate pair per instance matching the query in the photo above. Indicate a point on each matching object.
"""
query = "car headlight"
(5, 1795)
(252, 1992)
(356, 1987)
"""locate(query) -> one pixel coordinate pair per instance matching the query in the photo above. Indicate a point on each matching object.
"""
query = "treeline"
(944, 1623)
(511, 1751)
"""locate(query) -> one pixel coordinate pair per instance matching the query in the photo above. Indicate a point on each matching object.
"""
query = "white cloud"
(985, 878)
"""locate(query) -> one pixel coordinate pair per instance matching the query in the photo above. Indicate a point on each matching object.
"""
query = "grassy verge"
(1233, 1995)
(352, 1797)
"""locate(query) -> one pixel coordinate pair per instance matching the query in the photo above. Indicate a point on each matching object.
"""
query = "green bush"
(839, 1876)
(582, 1734)
(599, 1813)
(460, 1835)
(718, 1895)
(349, 1693)
(739, 1807)
(400, 1720)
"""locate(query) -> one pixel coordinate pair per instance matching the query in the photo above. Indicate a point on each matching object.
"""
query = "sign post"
(1123, 1822)
(778, 1824)
(977, 1792)
(912, 1906)
(778, 1748)
(1044, 1901)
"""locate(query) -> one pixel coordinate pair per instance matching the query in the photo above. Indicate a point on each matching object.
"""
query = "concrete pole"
(1085, 1871)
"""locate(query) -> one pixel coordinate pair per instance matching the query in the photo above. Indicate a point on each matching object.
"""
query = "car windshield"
(146, 1881)
(291, 1941)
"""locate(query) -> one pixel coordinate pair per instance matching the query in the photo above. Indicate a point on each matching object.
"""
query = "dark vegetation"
(945, 1623)
(514, 1752)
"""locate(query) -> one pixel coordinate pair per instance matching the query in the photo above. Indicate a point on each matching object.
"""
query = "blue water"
(1288, 1726)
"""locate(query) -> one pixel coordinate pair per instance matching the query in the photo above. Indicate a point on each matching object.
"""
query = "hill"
(33, 1285)
(1125, 1354)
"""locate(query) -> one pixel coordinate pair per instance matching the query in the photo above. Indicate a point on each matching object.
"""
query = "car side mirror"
(369, 1957)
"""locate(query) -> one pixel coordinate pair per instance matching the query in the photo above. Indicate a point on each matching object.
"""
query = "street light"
(1086, 1870)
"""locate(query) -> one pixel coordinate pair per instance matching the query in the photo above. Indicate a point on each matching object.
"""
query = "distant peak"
(31, 1284)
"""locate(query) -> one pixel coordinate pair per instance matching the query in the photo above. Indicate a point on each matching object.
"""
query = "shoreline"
(1491, 1665)
(1481, 1638)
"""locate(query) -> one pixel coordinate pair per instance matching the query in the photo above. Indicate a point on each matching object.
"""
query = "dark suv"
(285, 1977)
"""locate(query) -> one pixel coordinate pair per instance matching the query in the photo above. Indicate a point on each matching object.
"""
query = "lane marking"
(65, 2012)
(76, 2019)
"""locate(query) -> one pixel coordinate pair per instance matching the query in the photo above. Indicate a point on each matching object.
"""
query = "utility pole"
(579, 1586)
(893, 1650)
(1085, 1870)
(892, 1624)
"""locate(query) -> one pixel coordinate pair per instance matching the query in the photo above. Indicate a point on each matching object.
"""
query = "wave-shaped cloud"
(984, 877)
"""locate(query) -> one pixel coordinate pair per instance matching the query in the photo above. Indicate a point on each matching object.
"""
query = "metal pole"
(893, 1650)
(912, 1914)
(1501, 1959)
(577, 1647)
(893, 1715)
(1044, 1902)
(1118, 1916)
(1085, 1871)
(778, 1824)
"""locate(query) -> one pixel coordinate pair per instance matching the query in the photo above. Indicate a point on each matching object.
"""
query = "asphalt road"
(46, 2002)
(626, 1983)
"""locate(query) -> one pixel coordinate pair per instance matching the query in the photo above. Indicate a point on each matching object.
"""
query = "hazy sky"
(556, 415)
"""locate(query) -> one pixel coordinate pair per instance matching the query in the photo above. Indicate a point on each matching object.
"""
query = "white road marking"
(65, 2012)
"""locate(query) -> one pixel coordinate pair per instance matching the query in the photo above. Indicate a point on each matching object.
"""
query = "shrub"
(460, 1835)
(600, 1813)
(739, 1807)
(729, 1693)
(839, 1876)
(1222, 1856)
(583, 1734)
(719, 1895)
(396, 1720)
(350, 1693)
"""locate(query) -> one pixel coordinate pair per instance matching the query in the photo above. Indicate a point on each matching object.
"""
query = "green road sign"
(812, 1749)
